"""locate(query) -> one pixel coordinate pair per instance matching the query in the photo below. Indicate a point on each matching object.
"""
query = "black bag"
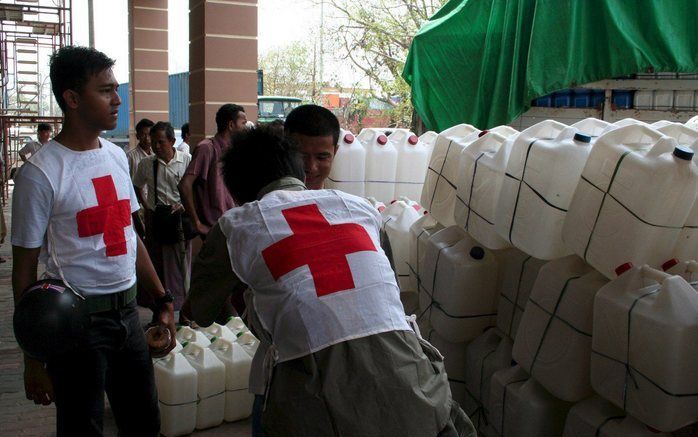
(169, 228)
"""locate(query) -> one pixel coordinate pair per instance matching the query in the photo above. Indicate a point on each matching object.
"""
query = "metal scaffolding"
(30, 31)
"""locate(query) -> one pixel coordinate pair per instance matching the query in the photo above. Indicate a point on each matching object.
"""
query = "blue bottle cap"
(582, 137)
(683, 152)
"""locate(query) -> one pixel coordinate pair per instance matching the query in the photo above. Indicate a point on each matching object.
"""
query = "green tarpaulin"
(483, 61)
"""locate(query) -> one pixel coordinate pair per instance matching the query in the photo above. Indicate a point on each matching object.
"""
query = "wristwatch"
(162, 300)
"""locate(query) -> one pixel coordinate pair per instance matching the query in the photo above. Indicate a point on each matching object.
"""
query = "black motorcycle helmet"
(50, 319)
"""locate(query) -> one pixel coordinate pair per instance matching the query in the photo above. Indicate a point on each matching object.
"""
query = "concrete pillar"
(222, 61)
(148, 84)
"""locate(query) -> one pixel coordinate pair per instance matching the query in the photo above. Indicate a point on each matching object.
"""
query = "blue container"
(179, 99)
(581, 98)
(597, 98)
(622, 99)
(562, 99)
(544, 102)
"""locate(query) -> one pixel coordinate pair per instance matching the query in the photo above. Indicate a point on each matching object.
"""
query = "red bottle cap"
(382, 140)
(669, 264)
(348, 138)
(623, 268)
(484, 132)
(413, 139)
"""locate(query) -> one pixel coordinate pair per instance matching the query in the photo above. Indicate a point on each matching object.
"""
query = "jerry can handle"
(654, 274)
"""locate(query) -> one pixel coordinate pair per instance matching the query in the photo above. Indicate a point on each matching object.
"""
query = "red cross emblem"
(109, 217)
(319, 245)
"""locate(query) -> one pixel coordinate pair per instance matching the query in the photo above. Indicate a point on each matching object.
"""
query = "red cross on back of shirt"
(319, 245)
(109, 217)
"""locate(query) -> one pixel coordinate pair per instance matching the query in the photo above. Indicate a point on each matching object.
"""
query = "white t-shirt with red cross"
(77, 207)
(314, 262)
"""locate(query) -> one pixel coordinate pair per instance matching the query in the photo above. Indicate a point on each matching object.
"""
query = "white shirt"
(30, 148)
(77, 206)
(134, 157)
(169, 175)
(184, 148)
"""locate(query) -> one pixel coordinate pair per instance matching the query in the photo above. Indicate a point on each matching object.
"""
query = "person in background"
(203, 192)
(74, 200)
(43, 134)
(186, 136)
(169, 250)
(324, 323)
(142, 149)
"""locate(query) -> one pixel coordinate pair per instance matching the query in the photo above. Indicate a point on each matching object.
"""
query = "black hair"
(227, 113)
(313, 121)
(185, 130)
(71, 68)
(43, 127)
(145, 122)
(164, 126)
(257, 158)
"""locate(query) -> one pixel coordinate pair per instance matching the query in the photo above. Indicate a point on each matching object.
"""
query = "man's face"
(162, 146)
(186, 137)
(44, 136)
(143, 136)
(318, 153)
(99, 102)
(239, 124)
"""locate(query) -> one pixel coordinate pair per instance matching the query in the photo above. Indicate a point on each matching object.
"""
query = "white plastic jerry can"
(398, 232)
(249, 342)
(693, 122)
(553, 343)
(236, 325)
(517, 274)
(420, 231)
(428, 138)
(644, 347)
(380, 206)
(392, 211)
(211, 385)
(485, 355)
(381, 165)
(439, 193)
(633, 198)
(412, 163)
(686, 269)
(464, 295)
(687, 244)
(177, 386)
(185, 334)
(524, 408)
(437, 242)
(542, 172)
(592, 127)
(238, 399)
(218, 331)
(596, 417)
(478, 188)
(348, 172)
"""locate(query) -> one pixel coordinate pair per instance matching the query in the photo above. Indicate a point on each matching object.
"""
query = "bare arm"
(148, 278)
(186, 192)
(37, 384)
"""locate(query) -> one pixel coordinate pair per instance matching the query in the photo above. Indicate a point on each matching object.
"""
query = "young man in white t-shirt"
(43, 134)
(74, 200)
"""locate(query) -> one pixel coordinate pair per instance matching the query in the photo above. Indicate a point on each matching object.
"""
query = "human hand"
(37, 384)
(166, 320)
(202, 228)
(177, 208)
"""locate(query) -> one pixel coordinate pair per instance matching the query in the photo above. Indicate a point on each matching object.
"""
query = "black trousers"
(113, 359)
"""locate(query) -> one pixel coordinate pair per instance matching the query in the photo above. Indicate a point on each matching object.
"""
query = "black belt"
(109, 302)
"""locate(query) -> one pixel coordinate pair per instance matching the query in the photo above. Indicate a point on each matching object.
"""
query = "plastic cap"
(484, 132)
(382, 140)
(381, 208)
(213, 339)
(669, 264)
(239, 334)
(683, 152)
(584, 138)
(413, 139)
(623, 268)
(426, 212)
(185, 344)
(393, 201)
(477, 252)
(348, 138)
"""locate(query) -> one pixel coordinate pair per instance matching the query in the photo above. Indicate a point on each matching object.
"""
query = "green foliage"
(375, 36)
(290, 71)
